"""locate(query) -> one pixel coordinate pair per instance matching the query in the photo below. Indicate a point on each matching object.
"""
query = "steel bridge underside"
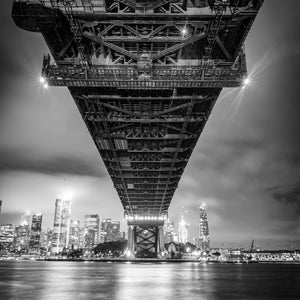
(145, 76)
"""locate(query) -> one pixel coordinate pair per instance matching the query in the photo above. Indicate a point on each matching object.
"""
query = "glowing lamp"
(42, 79)
(246, 82)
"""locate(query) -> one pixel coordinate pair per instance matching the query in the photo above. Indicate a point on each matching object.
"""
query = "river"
(143, 281)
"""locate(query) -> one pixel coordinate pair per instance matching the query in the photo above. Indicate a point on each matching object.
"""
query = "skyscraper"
(74, 241)
(110, 230)
(169, 232)
(182, 231)
(35, 233)
(25, 219)
(7, 235)
(61, 227)
(91, 230)
(22, 233)
(48, 236)
(203, 242)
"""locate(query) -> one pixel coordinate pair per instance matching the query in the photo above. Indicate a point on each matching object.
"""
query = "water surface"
(143, 281)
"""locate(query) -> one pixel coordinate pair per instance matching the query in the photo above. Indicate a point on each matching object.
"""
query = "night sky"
(245, 167)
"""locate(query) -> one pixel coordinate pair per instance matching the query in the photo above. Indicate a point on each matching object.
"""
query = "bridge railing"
(158, 77)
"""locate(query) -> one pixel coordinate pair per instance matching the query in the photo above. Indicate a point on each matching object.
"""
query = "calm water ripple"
(95, 280)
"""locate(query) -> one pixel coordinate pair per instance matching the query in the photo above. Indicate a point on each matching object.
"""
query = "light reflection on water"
(77, 280)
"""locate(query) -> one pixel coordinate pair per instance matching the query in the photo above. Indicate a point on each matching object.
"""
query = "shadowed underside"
(145, 76)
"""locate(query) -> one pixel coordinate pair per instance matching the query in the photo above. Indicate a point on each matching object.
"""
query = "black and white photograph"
(150, 149)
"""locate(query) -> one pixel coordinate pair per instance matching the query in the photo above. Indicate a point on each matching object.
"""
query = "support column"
(161, 241)
(145, 239)
(130, 243)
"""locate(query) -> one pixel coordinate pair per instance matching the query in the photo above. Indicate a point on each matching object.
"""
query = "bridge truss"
(145, 76)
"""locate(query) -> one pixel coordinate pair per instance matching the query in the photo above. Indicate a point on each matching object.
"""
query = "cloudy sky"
(246, 166)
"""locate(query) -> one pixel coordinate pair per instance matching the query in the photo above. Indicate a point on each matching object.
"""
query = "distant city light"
(42, 80)
(184, 31)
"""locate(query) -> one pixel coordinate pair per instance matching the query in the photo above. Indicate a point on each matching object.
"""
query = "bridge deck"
(145, 76)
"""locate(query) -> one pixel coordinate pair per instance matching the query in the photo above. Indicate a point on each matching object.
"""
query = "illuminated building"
(22, 233)
(22, 237)
(35, 233)
(203, 241)
(25, 219)
(61, 227)
(7, 235)
(110, 230)
(74, 241)
(48, 239)
(169, 232)
(91, 230)
(182, 231)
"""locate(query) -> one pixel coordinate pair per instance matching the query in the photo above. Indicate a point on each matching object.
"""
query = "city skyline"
(91, 221)
(245, 165)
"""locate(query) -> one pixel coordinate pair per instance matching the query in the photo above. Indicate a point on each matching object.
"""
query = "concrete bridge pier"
(145, 239)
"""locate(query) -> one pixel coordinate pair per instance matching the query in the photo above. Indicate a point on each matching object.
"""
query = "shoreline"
(154, 260)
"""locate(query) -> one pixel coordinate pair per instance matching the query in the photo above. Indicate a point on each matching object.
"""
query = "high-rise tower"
(169, 232)
(74, 240)
(25, 219)
(35, 233)
(183, 231)
(91, 230)
(61, 227)
(203, 241)
(110, 230)
(22, 232)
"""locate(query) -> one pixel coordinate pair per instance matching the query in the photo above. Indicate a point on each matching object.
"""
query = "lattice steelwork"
(145, 76)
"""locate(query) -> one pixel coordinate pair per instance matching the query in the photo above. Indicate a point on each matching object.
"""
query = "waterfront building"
(75, 232)
(22, 238)
(91, 230)
(203, 240)
(61, 226)
(7, 235)
(110, 230)
(182, 231)
(35, 233)
(43, 239)
(169, 232)
(124, 235)
(23, 233)
(81, 238)
(48, 236)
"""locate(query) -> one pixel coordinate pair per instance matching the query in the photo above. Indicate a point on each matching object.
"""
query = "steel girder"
(146, 158)
(146, 240)
(145, 76)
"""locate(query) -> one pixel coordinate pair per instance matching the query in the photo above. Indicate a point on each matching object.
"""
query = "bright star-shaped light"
(246, 82)
(42, 79)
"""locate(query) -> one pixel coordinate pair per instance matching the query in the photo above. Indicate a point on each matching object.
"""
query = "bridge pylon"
(145, 238)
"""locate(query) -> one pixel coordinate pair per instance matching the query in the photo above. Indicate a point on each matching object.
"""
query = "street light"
(42, 79)
(246, 82)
